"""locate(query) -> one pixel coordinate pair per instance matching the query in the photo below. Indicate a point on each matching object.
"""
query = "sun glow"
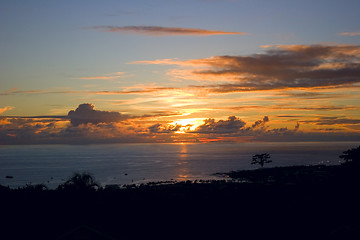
(188, 124)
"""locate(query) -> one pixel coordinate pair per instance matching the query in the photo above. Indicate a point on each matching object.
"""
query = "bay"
(142, 163)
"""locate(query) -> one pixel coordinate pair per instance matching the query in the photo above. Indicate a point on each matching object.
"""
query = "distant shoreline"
(268, 175)
(51, 165)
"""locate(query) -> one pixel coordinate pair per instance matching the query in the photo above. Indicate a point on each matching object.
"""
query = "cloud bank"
(280, 67)
(163, 31)
(85, 125)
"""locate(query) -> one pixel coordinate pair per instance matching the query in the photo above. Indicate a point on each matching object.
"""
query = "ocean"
(141, 163)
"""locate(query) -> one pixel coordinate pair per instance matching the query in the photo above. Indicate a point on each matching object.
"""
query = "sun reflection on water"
(182, 169)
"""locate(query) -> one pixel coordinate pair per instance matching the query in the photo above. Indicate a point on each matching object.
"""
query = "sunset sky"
(113, 71)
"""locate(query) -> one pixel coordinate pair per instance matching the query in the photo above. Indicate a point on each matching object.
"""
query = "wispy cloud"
(159, 114)
(110, 76)
(351, 34)
(163, 31)
(309, 95)
(99, 92)
(175, 61)
(292, 107)
(41, 117)
(333, 121)
(16, 91)
(7, 108)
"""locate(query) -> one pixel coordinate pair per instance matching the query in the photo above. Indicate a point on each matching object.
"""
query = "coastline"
(50, 164)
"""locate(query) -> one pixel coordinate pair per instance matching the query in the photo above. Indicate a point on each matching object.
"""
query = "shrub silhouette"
(351, 157)
(80, 182)
(261, 159)
(36, 187)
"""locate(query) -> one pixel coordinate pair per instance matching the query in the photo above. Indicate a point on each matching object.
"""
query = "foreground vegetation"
(299, 202)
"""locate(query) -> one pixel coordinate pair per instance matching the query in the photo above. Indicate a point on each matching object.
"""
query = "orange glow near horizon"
(188, 124)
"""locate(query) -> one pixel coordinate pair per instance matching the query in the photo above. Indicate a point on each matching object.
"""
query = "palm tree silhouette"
(80, 181)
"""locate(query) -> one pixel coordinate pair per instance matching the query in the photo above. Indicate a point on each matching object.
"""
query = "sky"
(172, 71)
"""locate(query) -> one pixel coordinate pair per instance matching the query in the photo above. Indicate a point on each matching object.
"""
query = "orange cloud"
(349, 34)
(7, 108)
(164, 31)
(175, 61)
(16, 91)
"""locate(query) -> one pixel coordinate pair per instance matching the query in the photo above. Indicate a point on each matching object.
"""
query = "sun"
(188, 124)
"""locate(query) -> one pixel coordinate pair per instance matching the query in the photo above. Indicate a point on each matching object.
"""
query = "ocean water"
(141, 163)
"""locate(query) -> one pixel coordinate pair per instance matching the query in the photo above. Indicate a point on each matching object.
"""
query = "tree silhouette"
(80, 181)
(36, 187)
(351, 156)
(261, 159)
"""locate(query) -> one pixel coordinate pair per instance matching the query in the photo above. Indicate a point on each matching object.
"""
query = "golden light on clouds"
(7, 108)
(188, 124)
(288, 92)
(163, 31)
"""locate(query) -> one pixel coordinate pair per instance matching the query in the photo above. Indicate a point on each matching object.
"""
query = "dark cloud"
(231, 125)
(318, 108)
(285, 67)
(85, 113)
(158, 128)
(288, 107)
(309, 95)
(260, 123)
(259, 132)
(288, 135)
(163, 31)
(289, 116)
(333, 121)
(159, 114)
